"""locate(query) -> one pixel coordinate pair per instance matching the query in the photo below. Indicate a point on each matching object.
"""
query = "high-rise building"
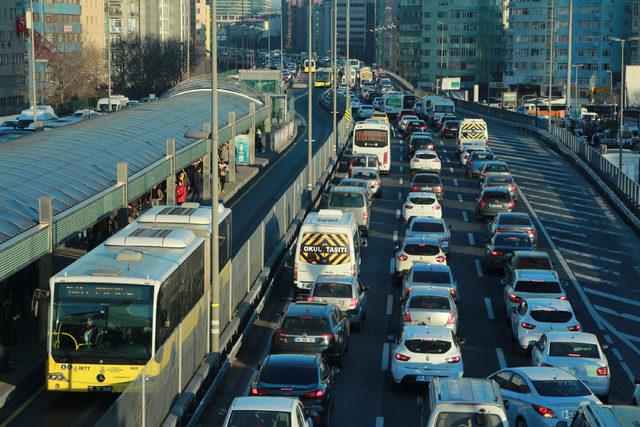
(200, 20)
(386, 34)
(451, 38)
(362, 37)
(595, 59)
(93, 23)
(296, 26)
(12, 61)
(164, 18)
(635, 31)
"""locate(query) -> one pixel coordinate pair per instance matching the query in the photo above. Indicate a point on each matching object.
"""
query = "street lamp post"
(622, 84)
(577, 67)
(550, 63)
(347, 66)
(334, 83)
(309, 99)
(281, 40)
(441, 24)
(569, 57)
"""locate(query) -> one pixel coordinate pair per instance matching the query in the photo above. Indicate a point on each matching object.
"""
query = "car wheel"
(520, 422)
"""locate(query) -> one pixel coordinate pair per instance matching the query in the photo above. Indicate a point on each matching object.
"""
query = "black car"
(527, 260)
(415, 126)
(313, 328)
(492, 201)
(428, 182)
(419, 143)
(305, 376)
(500, 248)
(513, 222)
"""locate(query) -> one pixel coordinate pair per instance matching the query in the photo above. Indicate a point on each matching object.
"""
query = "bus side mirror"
(35, 299)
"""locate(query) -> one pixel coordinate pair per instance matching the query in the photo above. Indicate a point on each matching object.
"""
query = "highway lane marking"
(592, 267)
(546, 195)
(587, 245)
(21, 408)
(571, 217)
(489, 306)
(465, 216)
(579, 211)
(502, 362)
(401, 180)
(572, 205)
(399, 196)
(612, 297)
(397, 213)
(448, 159)
(617, 354)
(478, 268)
(455, 182)
(585, 227)
(545, 182)
(626, 369)
(596, 280)
(385, 356)
(586, 255)
(389, 304)
(451, 170)
(444, 150)
(632, 338)
(395, 236)
(401, 169)
(379, 421)
(608, 339)
(392, 265)
(460, 197)
(441, 143)
(472, 240)
(562, 230)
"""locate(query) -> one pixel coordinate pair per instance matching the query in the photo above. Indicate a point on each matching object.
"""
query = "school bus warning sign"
(324, 248)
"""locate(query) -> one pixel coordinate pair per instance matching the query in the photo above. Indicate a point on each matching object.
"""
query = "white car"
(424, 352)
(430, 276)
(267, 411)
(430, 307)
(402, 124)
(541, 397)
(577, 352)
(535, 316)
(418, 249)
(421, 204)
(434, 228)
(425, 161)
(526, 284)
(635, 400)
(365, 112)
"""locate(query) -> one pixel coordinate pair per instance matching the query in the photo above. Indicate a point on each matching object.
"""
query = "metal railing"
(148, 399)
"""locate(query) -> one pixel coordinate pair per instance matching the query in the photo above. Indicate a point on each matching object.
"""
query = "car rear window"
(416, 123)
(422, 144)
(358, 161)
(431, 277)
(427, 227)
(422, 200)
(499, 179)
(482, 156)
(332, 290)
(426, 179)
(514, 220)
(561, 388)
(574, 349)
(428, 346)
(512, 240)
(534, 263)
(421, 249)
(289, 374)
(496, 195)
(373, 162)
(541, 287)
(422, 140)
(347, 183)
(346, 200)
(307, 324)
(364, 175)
(551, 316)
(497, 168)
(256, 417)
(467, 419)
(429, 302)
(426, 156)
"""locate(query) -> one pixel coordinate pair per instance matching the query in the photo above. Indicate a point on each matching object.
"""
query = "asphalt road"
(592, 248)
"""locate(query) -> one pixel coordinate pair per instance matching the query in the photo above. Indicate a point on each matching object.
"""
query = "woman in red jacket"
(181, 193)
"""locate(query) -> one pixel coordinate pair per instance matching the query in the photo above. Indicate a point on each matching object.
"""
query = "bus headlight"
(55, 376)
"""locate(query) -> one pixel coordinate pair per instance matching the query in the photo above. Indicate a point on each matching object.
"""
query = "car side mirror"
(604, 346)
(396, 246)
(366, 289)
(503, 282)
(461, 341)
(335, 370)
(451, 227)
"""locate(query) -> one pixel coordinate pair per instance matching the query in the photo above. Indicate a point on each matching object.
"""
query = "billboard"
(451, 83)
(632, 83)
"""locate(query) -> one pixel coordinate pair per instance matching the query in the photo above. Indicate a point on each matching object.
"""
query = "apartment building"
(12, 66)
(93, 23)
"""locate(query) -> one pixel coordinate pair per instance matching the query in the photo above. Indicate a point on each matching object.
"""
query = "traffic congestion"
(425, 271)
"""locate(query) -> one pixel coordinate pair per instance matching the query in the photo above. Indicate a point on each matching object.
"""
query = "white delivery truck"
(441, 108)
(328, 243)
(472, 130)
(427, 101)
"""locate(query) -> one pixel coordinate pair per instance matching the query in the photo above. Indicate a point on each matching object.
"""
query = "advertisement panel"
(242, 149)
(451, 83)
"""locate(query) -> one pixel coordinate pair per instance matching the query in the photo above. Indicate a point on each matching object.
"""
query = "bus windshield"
(376, 138)
(95, 322)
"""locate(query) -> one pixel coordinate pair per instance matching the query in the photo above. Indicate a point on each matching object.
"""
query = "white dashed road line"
(460, 197)
(395, 236)
(478, 268)
(399, 196)
(392, 265)
(379, 421)
(502, 362)
(612, 297)
(385, 357)
(397, 213)
(389, 304)
(472, 239)
(489, 307)
(465, 216)
(455, 182)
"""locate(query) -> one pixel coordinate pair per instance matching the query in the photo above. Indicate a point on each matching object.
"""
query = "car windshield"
(514, 220)
(332, 290)
(421, 249)
(431, 277)
(538, 287)
(561, 388)
(427, 227)
(426, 179)
(429, 302)
(574, 349)
(426, 156)
(255, 418)
(422, 200)
(416, 123)
(289, 374)
(467, 419)
(551, 316)
(429, 346)
(534, 263)
(512, 240)
(306, 324)
(346, 200)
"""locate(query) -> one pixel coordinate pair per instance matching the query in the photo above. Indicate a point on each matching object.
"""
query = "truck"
(392, 103)
(426, 105)
(118, 102)
(440, 108)
(366, 75)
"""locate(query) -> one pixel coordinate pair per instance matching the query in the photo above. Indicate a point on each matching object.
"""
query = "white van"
(472, 130)
(427, 103)
(463, 401)
(329, 243)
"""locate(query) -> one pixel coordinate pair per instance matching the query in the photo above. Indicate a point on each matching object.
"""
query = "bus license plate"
(101, 388)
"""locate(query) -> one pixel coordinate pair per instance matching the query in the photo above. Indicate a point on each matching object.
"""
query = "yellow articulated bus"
(323, 77)
(112, 309)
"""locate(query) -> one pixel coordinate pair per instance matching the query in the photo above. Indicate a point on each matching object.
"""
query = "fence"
(281, 138)
(148, 399)
(624, 186)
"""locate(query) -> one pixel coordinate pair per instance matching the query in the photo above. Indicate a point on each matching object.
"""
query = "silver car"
(430, 307)
(345, 292)
(372, 176)
(430, 228)
(354, 200)
(423, 275)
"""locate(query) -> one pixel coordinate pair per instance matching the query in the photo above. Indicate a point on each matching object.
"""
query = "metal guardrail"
(148, 399)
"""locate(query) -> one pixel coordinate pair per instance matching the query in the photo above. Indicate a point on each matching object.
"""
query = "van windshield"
(466, 419)
(340, 199)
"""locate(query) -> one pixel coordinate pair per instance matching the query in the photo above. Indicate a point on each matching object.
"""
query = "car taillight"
(378, 183)
(453, 359)
(513, 187)
(440, 258)
(437, 188)
(327, 336)
(401, 357)
(500, 230)
(470, 163)
(453, 293)
(415, 188)
(451, 319)
(602, 371)
(407, 316)
(354, 303)
(563, 297)
(515, 298)
(436, 160)
(497, 253)
(527, 325)
(482, 203)
(436, 207)
(365, 215)
(257, 392)
(318, 394)
(430, 147)
(402, 257)
(512, 203)
(408, 206)
(543, 411)
(310, 299)
(484, 174)
(574, 328)
(385, 158)
(295, 270)
(281, 337)
(532, 232)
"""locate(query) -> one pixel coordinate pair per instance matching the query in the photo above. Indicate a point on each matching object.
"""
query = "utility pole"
(32, 57)
(550, 63)
(269, 41)
(281, 40)
(569, 61)
(347, 66)
(215, 269)
(188, 38)
(106, 2)
(334, 59)
(309, 100)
